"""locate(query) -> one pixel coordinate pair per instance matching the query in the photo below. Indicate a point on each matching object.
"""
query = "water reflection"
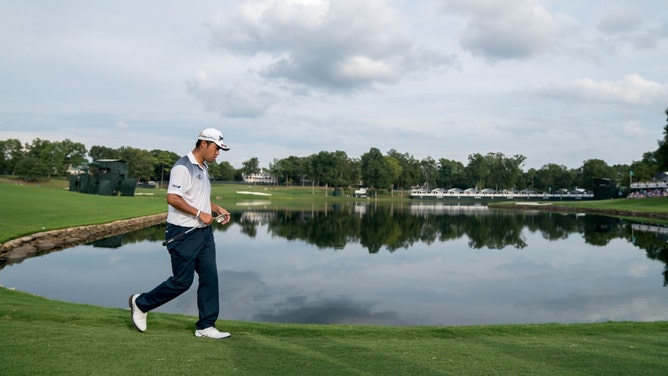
(388, 227)
(409, 264)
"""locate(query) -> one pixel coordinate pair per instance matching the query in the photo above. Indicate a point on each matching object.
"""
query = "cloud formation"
(338, 45)
(501, 30)
(431, 78)
(237, 101)
(632, 90)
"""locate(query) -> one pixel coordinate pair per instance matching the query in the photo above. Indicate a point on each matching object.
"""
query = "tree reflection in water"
(398, 226)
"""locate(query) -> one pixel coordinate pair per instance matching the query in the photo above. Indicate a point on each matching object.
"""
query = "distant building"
(261, 177)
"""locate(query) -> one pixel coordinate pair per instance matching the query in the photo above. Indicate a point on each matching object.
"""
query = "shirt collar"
(193, 160)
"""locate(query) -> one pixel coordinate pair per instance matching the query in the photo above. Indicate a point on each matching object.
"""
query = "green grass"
(643, 205)
(648, 210)
(31, 208)
(41, 336)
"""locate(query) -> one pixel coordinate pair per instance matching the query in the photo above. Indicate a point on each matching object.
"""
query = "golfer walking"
(190, 206)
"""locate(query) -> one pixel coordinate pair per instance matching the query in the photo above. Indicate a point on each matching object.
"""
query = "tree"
(331, 169)
(32, 168)
(622, 173)
(395, 168)
(162, 164)
(646, 169)
(478, 170)
(42, 151)
(530, 178)
(345, 172)
(376, 172)
(450, 174)
(222, 171)
(661, 153)
(552, 176)
(288, 170)
(514, 170)
(73, 154)
(58, 156)
(140, 162)
(410, 170)
(321, 168)
(251, 166)
(11, 152)
(226, 172)
(97, 153)
(592, 169)
(429, 171)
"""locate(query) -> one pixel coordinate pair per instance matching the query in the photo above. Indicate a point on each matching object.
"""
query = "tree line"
(381, 228)
(392, 170)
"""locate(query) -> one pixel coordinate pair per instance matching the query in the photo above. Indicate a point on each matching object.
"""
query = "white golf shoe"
(211, 332)
(138, 317)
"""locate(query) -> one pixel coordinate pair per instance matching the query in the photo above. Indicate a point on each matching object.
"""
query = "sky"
(555, 81)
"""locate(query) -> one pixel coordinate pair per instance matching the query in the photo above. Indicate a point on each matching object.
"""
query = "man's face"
(211, 151)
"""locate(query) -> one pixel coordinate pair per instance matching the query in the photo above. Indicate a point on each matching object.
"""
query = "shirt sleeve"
(179, 180)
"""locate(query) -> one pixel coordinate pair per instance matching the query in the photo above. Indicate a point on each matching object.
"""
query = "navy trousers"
(193, 253)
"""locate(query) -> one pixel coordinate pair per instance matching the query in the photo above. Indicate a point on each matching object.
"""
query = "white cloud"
(632, 90)
(337, 45)
(500, 30)
(365, 69)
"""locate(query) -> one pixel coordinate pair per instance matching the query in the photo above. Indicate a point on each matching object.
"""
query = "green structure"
(606, 189)
(107, 177)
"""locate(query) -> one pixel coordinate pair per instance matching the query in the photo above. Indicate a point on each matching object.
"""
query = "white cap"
(215, 136)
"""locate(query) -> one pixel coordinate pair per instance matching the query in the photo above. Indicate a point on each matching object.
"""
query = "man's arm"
(180, 204)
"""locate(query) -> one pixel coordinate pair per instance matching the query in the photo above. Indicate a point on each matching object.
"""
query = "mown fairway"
(30, 208)
(41, 336)
(642, 205)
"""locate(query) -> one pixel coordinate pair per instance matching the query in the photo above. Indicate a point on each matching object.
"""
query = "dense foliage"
(44, 159)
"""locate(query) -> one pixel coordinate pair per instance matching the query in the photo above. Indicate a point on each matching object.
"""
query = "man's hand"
(223, 216)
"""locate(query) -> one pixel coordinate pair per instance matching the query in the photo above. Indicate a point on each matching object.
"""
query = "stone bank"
(16, 250)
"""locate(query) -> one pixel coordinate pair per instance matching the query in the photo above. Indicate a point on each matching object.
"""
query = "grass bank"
(654, 209)
(30, 208)
(41, 336)
(640, 205)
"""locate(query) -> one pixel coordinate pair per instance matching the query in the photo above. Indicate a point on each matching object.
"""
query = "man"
(190, 206)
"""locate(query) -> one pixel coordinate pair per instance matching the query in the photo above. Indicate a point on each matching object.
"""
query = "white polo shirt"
(191, 181)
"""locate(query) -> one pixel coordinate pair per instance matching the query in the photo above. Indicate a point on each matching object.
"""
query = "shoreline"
(570, 209)
(18, 249)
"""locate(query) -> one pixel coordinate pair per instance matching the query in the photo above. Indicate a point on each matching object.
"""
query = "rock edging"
(21, 248)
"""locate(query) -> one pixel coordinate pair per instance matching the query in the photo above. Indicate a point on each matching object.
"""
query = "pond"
(409, 264)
